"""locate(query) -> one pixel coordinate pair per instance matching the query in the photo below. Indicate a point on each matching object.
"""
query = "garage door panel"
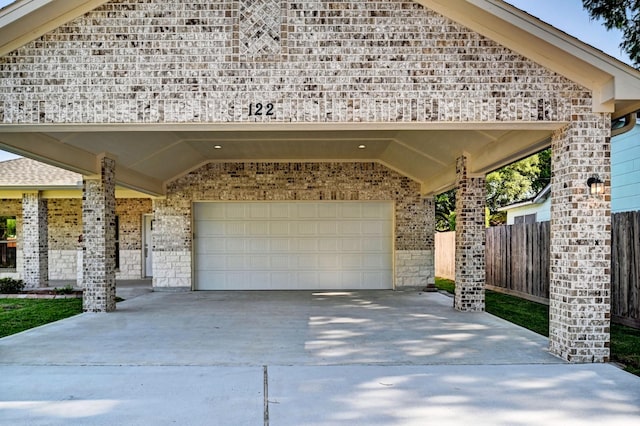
(257, 228)
(307, 244)
(234, 245)
(349, 228)
(293, 245)
(279, 229)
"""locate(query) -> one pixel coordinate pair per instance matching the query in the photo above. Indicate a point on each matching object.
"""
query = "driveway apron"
(291, 358)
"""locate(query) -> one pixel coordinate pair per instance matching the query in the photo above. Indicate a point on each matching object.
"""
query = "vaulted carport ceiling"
(149, 157)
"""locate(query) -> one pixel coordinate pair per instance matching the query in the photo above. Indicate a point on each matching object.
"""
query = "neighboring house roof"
(539, 198)
(28, 173)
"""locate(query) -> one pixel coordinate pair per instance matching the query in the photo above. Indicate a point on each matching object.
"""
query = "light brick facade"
(470, 239)
(194, 61)
(414, 217)
(34, 240)
(580, 286)
(98, 221)
(310, 61)
(65, 227)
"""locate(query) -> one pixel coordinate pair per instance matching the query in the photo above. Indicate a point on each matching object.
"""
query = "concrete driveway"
(300, 358)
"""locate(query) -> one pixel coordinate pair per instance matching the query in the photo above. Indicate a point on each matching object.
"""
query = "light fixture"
(362, 146)
(595, 184)
(217, 147)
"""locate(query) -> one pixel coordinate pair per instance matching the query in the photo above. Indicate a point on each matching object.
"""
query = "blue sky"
(567, 15)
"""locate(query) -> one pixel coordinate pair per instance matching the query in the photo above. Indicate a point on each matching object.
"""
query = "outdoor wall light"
(595, 184)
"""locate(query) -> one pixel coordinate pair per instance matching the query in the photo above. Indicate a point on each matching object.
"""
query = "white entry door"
(293, 245)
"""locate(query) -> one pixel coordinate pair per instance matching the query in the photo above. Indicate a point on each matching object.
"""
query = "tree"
(516, 182)
(623, 15)
(512, 183)
(446, 211)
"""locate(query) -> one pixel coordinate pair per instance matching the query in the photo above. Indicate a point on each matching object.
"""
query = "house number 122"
(260, 109)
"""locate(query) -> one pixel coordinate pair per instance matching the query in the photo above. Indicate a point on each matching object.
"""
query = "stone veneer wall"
(414, 217)
(166, 61)
(580, 276)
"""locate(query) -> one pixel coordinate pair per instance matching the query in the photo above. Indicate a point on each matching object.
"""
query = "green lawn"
(17, 315)
(625, 341)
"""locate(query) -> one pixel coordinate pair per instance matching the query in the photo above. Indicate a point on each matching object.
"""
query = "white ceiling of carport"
(149, 158)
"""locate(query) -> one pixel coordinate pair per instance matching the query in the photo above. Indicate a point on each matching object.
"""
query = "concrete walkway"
(300, 358)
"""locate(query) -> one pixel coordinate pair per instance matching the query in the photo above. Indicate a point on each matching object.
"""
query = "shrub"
(68, 289)
(11, 286)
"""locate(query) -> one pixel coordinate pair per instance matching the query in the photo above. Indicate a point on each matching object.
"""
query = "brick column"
(470, 239)
(98, 260)
(580, 286)
(35, 244)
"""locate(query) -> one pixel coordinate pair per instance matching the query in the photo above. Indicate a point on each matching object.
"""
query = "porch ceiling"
(149, 157)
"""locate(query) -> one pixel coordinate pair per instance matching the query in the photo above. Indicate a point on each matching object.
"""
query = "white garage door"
(290, 246)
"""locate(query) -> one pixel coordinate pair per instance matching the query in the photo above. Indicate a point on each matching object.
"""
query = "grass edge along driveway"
(17, 315)
(625, 341)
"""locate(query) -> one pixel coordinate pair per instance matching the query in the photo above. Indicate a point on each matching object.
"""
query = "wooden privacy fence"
(625, 268)
(517, 262)
(445, 255)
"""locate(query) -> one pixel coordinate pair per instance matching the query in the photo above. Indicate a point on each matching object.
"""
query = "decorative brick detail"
(260, 28)
(160, 61)
(580, 287)
(98, 216)
(470, 239)
(35, 250)
(414, 216)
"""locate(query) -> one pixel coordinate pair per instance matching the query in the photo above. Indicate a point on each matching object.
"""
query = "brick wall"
(98, 223)
(157, 61)
(580, 270)
(34, 240)
(470, 239)
(414, 217)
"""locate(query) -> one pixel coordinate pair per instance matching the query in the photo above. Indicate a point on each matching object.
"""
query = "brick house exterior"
(196, 101)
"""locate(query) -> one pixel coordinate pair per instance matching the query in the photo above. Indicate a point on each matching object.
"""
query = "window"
(529, 218)
(8, 242)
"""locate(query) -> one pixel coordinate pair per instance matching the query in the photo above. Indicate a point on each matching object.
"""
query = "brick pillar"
(470, 239)
(35, 245)
(580, 286)
(98, 260)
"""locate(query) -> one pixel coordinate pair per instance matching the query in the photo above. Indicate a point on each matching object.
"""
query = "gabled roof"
(149, 155)
(28, 173)
(616, 86)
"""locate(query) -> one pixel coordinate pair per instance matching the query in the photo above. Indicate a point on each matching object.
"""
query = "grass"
(625, 341)
(17, 315)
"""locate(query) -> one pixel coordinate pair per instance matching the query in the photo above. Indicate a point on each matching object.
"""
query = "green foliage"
(445, 285)
(446, 211)
(68, 289)
(17, 315)
(623, 15)
(11, 286)
(512, 183)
